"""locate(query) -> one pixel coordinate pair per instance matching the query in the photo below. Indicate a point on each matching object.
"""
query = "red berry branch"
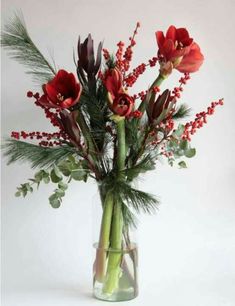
(201, 119)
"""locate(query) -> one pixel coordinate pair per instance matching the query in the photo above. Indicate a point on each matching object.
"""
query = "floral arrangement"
(103, 132)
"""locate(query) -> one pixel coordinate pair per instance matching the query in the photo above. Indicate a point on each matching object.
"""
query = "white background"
(187, 251)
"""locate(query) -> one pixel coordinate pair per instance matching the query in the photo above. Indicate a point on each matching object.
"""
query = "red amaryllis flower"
(63, 91)
(176, 46)
(119, 101)
(122, 105)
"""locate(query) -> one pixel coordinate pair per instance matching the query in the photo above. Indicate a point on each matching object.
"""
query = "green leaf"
(190, 152)
(55, 201)
(171, 162)
(79, 175)
(184, 144)
(179, 131)
(60, 193)
(65, 167)
(18, 193)
(46, 179)
(56, 175)
(182, 164)
(62, 186)
(38, 176)
(24, 190)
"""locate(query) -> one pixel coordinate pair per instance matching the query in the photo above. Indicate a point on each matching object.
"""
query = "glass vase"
(116, 254)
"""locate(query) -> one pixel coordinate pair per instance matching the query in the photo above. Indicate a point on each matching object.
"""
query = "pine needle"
(136, 199)
(16, 40)
(181, 112)
(37, 156)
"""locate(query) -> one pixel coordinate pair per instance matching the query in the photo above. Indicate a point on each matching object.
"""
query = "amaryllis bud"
(88, 66)
(178, 48)
(63, 91)
(69, 124)
(161, 108)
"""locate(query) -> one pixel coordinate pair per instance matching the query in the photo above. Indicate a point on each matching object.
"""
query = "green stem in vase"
(115, 254)
(121, 150)
(104, 242)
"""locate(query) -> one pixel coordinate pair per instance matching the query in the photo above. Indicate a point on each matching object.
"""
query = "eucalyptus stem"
(115, 254)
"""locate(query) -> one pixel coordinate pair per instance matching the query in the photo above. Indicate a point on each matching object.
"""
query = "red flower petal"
(182, 34)
(78, 91)
(52, 92)
(113, 81)
(167, 49)
(67, 103)
(180, 52)
(160, 38)
(45, 102)
(192, 61)
(171, 33)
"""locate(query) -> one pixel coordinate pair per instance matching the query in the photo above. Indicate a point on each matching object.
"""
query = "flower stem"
(104, 237)
(92, 151)
(121, 150)
(157, 82)
(115, 254)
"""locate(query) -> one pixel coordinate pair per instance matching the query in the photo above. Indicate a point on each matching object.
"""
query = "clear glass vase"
(116, 254)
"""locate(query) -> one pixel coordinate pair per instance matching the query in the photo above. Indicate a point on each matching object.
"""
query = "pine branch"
(16, 150)
(181, 112)
(146, 164)
(136, 199)
(96, 111)
(15, 38)
(129, 218)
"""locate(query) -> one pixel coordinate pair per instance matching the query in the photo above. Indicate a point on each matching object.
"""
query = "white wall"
(187, 250)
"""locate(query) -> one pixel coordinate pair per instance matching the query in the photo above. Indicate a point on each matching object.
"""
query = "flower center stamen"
(60, 97)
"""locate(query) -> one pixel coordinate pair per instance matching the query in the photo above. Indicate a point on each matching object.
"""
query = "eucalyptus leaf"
(179, 131)
(62, 185)
(65, 167)
(182, 164)
(184, 144)
(55, 174)
(18, 193)
(60, 192)
(55, 201)
(190, 152)
(46, 179)
(79, 175)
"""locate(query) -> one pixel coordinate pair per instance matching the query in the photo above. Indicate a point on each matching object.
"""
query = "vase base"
(117, 296)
